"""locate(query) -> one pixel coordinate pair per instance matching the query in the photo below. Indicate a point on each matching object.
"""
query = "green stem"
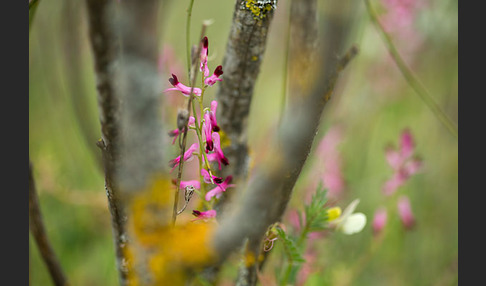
(409, 77)
(188, 36)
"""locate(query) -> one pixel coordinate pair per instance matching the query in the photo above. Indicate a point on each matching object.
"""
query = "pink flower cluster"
(404, 165)
(210, 145)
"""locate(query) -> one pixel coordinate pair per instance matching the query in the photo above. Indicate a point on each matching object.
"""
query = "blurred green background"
(372, 105)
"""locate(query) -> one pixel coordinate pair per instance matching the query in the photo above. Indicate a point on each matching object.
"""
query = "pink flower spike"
(215, 77)
(405, 212)
(187, 156)
(196, 184)
(393, 157)
(407, 145)
(207, 128)
(203, 215)
(203, 57)
(379, 220)
(207, 180)
(186, 90)
(212, 116)
(220, 188)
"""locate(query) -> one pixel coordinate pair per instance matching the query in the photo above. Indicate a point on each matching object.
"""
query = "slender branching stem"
(39, 233)
(409, 76)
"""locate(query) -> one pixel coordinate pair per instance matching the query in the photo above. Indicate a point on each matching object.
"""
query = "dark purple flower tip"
(205, 42)
(216, 128)
(218, 70)
(173, 80)
(218, 180)
(209, 146)
(196, 213)
(224, 160)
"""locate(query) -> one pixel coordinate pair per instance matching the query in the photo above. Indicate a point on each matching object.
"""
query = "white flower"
(349, 222)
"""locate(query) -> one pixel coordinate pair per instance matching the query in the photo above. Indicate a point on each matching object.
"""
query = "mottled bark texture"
(38, 231)
(124, 42)
(270, 186)
(241, 64)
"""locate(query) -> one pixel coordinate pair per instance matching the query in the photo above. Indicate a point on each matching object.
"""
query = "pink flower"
(174, 133)
(207, 128)
(212, 116)
(196, 184)
(215, 76)
(207, 177)
(203, 215)
(379, 220)
(405, 212)
(203, 57)
(187, 156)
(220, 188)
(218, 155)
(402, 163)
(186, 90)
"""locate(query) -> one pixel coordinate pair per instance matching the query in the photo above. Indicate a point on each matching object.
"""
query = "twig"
(409, 76)
(38, 231)
(268, 193)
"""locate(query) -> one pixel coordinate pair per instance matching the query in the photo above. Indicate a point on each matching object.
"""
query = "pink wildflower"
(203, 215)
(218, 151)
(207, 177)
(402, 163)
(405, 212)
(203, 57)
(186, 90)
(220, 188)
(196, 184)
(187, 156)
(215, 76)
(207, 128)
(212, 116)
(379, 220)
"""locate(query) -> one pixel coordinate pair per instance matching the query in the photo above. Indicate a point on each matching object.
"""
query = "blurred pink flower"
(308, 267)
(214, 77)
(203, 57)
(196, 184)
(220, 188)
(330, 161)
(212, 116)
(203, 215)
(207, 180)
(405, 212)
(402, 163)
(379, 220)
(186, 90)
(217, 155)
(187, 156)
(207, 129)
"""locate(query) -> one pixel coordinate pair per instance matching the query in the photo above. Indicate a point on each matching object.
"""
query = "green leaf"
(293, 253)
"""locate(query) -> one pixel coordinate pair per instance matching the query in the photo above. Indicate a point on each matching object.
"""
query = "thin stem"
(409, 76)
(39, 233)
(285, 69)
(188, 34)
(192, 77)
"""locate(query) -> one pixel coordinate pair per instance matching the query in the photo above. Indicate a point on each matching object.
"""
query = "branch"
(104, 46)
(241, 63)
(38, 231)
(269, 189)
